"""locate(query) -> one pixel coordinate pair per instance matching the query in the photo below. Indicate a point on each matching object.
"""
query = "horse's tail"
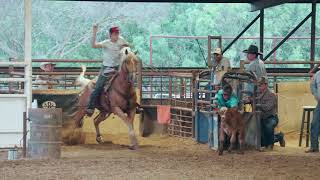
(81, 79)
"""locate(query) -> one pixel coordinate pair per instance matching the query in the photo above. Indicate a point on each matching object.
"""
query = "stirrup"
(89, 112)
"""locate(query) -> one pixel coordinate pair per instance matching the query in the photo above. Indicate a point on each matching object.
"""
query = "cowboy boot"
(311, 150)
(281, 140)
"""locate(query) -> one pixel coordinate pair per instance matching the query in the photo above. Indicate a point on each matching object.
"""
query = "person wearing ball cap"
(220, 64)
(111, 60)
(267, 104)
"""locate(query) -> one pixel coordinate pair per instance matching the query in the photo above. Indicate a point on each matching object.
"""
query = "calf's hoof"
(220, 153)
(134, 147)
(99, 139)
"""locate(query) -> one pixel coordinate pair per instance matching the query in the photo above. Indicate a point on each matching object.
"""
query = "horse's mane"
(127, 55)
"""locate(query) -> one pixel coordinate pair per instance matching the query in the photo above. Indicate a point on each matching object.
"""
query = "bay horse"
(118, 98)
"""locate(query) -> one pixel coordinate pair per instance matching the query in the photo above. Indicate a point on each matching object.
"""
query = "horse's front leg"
(129, 122)
(97, 120)
(133, 138)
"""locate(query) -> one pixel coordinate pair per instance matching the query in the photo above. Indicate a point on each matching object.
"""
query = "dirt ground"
(164, 158)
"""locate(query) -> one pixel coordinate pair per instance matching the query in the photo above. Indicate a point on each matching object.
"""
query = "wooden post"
(242, 65)
(11, 69)
(24, 147)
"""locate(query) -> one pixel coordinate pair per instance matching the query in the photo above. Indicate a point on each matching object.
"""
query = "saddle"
(112, 76)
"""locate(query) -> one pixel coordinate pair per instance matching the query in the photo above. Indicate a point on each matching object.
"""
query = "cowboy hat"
(263, 80)
(45, 63)
(252, 50)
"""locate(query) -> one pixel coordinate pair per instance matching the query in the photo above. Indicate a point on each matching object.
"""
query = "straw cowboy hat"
(252, 50)
(45, 63)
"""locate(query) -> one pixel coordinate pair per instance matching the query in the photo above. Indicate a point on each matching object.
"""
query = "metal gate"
(174, 89)
(207, 121)
(13, 103)
(182, 105)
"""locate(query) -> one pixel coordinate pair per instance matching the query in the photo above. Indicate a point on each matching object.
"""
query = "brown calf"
(231, 124)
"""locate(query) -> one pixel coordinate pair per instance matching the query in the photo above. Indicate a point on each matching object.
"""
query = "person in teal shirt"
(225, 98)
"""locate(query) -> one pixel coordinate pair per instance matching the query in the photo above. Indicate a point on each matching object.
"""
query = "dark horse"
(119, 98)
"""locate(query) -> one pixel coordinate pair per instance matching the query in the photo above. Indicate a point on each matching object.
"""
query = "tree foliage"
(64, 29)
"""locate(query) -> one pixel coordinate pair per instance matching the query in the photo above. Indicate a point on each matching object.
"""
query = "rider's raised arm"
(94, 38)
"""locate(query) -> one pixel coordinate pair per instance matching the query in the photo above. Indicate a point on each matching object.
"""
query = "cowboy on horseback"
(111, 61)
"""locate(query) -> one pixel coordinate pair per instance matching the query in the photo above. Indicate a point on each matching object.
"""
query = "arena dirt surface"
(162, 157)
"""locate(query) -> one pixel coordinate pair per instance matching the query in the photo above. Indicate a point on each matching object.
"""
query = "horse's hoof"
(99, 139)
(80, 124)
(134, 147)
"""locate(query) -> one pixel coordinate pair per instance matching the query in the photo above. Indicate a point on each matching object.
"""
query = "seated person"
(267, 103)
(225, 98)
(46, 81)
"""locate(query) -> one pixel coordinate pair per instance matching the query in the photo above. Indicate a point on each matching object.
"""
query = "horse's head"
(129, 63)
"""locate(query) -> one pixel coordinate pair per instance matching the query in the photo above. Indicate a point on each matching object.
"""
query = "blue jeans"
(315, 127)
(102, 78)
(278, 137)
(267, 130)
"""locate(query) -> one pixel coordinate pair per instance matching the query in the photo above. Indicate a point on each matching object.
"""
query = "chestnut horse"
(118, 98)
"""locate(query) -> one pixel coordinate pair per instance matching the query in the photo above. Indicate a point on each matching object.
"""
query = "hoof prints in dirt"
(110, 146)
